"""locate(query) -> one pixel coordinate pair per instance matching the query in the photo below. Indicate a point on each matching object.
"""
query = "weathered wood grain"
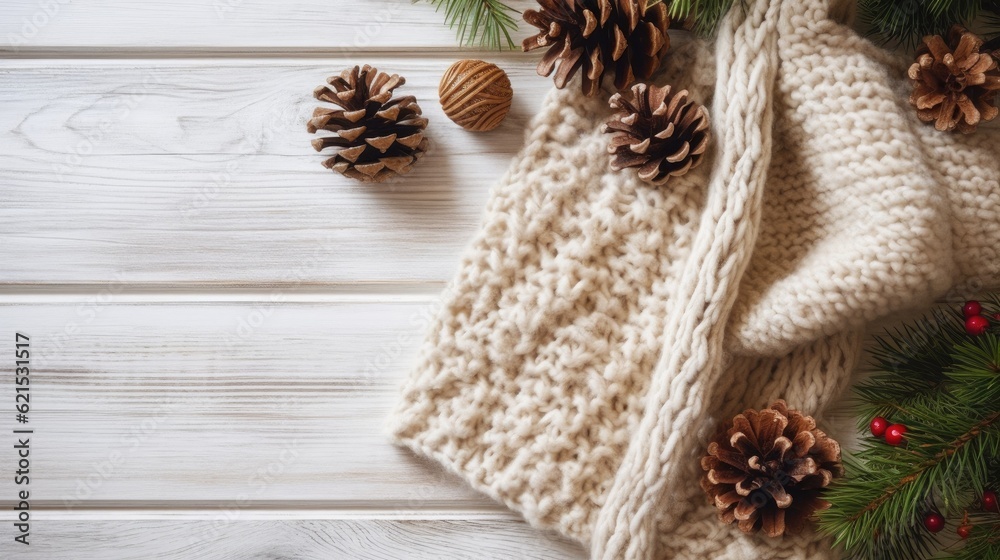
(271, 403)
(219, 323)
(241, 27)
(280, 400)
(222, 538)
(189, 172)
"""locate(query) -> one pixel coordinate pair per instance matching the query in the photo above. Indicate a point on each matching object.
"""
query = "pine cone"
(954, 84)
(621, 36)
(768, 470)
(661, 133)
(378, 136)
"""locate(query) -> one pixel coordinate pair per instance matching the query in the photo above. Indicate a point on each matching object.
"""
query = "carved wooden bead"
(475, 94)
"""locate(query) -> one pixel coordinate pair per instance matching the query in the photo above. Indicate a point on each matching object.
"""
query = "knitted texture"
(600, 328)
(533, 377)
(692, 356)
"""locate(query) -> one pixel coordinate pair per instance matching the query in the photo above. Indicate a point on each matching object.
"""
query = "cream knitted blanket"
(600, 328)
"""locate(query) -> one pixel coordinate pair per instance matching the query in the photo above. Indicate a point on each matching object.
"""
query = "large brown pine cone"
(622, 37)
(954, 84)
(657, 131)
(376, 135)
(768, 470)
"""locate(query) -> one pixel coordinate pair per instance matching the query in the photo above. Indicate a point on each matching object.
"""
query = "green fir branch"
(944, 385)
(487, 23)
(906, 22)
(909, 364)
(706, 13)
(879, 514)
(982, 544)
(991, 18)
(490, 22)
(976, 370)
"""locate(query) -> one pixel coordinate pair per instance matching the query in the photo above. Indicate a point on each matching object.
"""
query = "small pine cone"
(954, 83)
(768, 470)
(659, 132)
(622, 37)
(377, 136)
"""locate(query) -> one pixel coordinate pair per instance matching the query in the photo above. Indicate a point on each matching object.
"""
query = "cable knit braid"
(599, 329)
(747, 58)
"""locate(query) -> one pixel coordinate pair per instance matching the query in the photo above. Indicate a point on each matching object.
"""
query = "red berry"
(934, 522)
(996, 316)
(894, 434)
(878, 426)
(990, 501)
(972, 308)
(964, 531)
(976, 325)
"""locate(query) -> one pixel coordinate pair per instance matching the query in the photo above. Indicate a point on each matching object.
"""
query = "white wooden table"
(217, 322)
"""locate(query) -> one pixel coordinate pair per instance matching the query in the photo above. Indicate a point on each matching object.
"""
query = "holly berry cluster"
(934, 521)
(893, 433)
(925, 483)
(976, 322)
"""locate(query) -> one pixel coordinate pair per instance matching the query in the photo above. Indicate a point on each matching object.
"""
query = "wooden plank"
(276, 398)
(332, 27)
(200, 172)
(211, 539)
(266, 404)
(279, 402)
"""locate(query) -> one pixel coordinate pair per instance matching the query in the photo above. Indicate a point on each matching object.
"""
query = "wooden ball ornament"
(475, 94)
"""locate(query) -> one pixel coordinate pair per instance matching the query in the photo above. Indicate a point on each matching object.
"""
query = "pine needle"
(904, 23)
(487, 23)
(944, 385)
(991, 21)
(707, 13)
